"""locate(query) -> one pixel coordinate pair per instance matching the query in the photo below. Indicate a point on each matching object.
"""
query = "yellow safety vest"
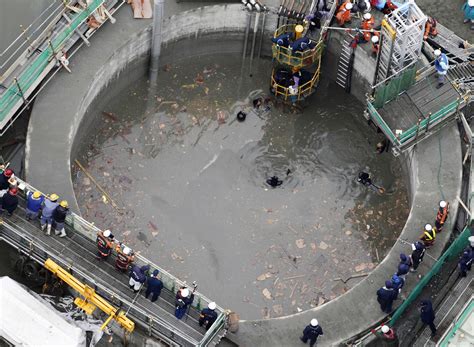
(431, 236)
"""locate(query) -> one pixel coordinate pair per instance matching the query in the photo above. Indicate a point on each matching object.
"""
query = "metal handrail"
(303, 90)
(385, 128)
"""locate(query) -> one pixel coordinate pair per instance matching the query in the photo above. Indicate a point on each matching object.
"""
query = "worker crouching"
(104, 244)
(125, 257)
(208, 316)
(343, 14)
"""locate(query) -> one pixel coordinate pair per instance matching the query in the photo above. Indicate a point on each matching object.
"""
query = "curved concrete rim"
(48, 167)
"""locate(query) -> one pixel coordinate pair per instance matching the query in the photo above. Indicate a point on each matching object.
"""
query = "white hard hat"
(367, 16)
(437, 52)
(471, 240)
(314, 322)
(442, 204)
(107, 233)
(470, 2)
(428, 227)
(374, 39)
(348, 6)
(126, 250)
(212, 306)
(385, 329)
(185, 292)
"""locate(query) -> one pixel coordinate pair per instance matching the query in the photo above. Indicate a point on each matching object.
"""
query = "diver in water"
(274, 181)
(365, 179)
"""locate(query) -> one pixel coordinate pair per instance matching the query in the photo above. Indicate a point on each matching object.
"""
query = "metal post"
(261, 35)
(428, 123)
(156, 39)
(254, 39)
(246, 35)
(19, 89)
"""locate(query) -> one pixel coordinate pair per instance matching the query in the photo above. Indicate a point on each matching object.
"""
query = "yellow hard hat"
(36, 195)
(63, 204)
(53, 197)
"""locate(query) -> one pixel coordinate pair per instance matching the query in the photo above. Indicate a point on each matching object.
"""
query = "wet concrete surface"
(189, 182)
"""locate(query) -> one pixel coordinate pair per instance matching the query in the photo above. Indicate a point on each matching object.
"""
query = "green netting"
(34, 70)
(451, 253)
(396, 85)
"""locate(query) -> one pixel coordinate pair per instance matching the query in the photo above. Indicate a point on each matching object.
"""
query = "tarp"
(24, 320)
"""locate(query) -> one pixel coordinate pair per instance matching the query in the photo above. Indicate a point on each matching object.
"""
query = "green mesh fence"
(12, 95)
(452, 252)
(467, 312)
(396, 85)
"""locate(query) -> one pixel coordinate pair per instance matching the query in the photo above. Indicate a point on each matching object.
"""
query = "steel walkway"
(77, 252)
(34, 56)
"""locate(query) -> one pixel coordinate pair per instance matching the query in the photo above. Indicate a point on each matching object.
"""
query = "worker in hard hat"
(429, 235)
(311, 332)
(375, 45)
(442, 215)
(367, 24)
(34, 200)
(208, 316)
(59, 218)
(343, 14)
(104, 244)
(138, 277)
(4, 181)
(49, 205)
(10, 201)
(442, 66)
(387, 335)
(124, 258)
(302, 44)
(153, 286)
(184, 298)
(282, 40)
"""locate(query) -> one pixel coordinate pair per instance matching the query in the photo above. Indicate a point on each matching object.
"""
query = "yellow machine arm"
(91, 300)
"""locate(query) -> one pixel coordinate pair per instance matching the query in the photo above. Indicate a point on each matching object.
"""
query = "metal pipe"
(156, 39)
(247, 29)
(262, 33)
(254, 39)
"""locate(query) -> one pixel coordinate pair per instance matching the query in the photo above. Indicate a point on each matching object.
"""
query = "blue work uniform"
(154, 287)
(207, 318)
(33, 205)
(385, 297)
(181, 305)
(47, 213)
(311, 333)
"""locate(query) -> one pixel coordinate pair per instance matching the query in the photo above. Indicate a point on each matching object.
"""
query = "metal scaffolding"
(402, 38)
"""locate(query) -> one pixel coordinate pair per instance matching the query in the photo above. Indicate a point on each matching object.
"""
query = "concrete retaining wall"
(57, 126)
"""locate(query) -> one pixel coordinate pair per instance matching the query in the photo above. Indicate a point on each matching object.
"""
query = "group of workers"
(50, 210)
(387, 294)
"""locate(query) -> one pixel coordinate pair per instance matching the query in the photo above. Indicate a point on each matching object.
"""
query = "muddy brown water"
(191, 180)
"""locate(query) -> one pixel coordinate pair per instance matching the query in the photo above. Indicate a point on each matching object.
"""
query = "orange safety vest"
(430, 28)
(122, 260)
(343, 15)
(103, 244)
(442, 215)
(367, 25)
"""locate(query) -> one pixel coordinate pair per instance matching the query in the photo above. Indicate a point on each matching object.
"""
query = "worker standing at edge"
(343, 14)
(138, 277)
(184, 298)
(154, 286)
(429, 235)
(427, 315)
(417, 255)
(33, 204)
(49, 205)
(208, 316)
(367, 24)
(311, 332)
(104, 244)
(442, 215)
(430, 28)
(442, 66)
(4, 181)
(10, 201)
(385, 297)
(125, 257)
(59, 217)
(465, 263)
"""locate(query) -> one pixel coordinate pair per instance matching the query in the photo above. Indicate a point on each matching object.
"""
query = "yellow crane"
(90, 299)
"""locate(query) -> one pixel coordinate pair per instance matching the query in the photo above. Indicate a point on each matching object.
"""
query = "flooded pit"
(191, 180)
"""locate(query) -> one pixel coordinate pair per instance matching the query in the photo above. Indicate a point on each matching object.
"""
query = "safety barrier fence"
(453, 251)
(454, 326)
(170, 282)
(389, 89)
(303, 91)
(16, 91)
(377, 118)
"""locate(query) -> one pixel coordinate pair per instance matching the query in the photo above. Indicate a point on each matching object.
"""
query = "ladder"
(344, 67)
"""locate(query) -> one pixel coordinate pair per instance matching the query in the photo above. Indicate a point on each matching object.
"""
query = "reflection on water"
(193, 180)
